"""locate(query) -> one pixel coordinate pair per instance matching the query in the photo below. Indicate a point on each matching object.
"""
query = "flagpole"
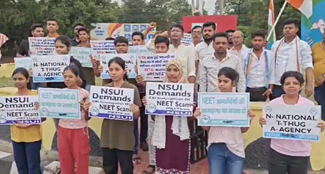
(277, 19)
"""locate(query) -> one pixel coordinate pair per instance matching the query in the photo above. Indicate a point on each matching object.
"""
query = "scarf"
(293, 63)
(179, 125)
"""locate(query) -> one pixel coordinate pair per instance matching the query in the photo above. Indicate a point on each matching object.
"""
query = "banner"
(105, 30)
(292, 122)
(23, 62)
(153, 67)
(49, 68)
(18, 109)
(130, 63)
(223, 109)
(82, 54)
(41, 45)
(99, 47)
(312, 28)
(187, 39)
(59, 103)
(111, 103)
(174, 99)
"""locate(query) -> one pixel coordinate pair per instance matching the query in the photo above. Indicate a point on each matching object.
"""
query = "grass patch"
(6, 82)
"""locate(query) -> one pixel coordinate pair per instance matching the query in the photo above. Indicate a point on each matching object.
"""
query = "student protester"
(73, 135)
(26, 138)
(75, 41)
(52, 26)
(171, 135)
(161, 46)
(226, 151)
(290, 156)
(117, 138)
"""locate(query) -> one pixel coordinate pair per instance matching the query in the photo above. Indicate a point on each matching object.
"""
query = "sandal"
(150, 170)
(136, 159)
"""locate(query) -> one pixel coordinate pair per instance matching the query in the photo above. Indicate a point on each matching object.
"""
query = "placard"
(83, 55)
(111, 103)
(130, 62)
(59, 103)
(49, 68)
(41, 45)
(223, 109)
(187, 39)
(18, 109)
(295, 122)
(140, 49)
(99, 47)
(153, 67)
(23, 62)
(174, 99)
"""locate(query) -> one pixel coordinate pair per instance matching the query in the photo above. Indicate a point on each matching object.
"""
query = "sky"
(208, 6)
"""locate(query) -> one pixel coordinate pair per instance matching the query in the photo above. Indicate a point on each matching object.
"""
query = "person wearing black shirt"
(75, 41)
(37, 30)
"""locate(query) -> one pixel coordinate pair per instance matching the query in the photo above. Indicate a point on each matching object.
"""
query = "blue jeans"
(136, 135)
(320, 99)
(222, 160)
(27, 157)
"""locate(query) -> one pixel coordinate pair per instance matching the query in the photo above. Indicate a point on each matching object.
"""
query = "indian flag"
(270, 22)
(304, 6)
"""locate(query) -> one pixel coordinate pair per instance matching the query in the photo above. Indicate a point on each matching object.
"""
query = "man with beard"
(257, 62)
(230, 33)
(211, 65)
(76, 41)
(205, 48)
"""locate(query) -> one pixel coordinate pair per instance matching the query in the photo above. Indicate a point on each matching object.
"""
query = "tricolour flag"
(304, 6)
(270, 22)
(3, 40)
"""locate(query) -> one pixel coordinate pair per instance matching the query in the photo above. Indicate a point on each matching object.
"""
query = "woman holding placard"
(226, 153)
(290, 156)
(171, 135)
(26, 138)
(73, 134)
(117, 138)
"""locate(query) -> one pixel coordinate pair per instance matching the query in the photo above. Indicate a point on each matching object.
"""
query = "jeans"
(320, 99)
(113, 157)
(136, 135)
(222, 160)
(27, 157)
(284, 164)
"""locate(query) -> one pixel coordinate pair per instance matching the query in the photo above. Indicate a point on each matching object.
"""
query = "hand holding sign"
(139, 80)
(144, 101)
(21, 125)
(135, 110)
(251, 115)
(197, 113)
(100, 68)
(36, 105)
(262, 121)
(321, 125)
(86, 105)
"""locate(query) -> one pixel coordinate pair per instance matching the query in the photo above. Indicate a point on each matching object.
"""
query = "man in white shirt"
(205, 48)
(291, 54)
(257, 62)
(238, 41)
(210, 66)
(183, 53)
(196, 34)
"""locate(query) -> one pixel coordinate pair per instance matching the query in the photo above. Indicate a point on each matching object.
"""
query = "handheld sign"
(140, 49)
(83, 55)
(19, 109)
(153, 67)
(41, 45)
(49, 68)
(174, 99)
(59, 103)
(99, 47)
(292, 122)
(223, 109)
(23, 62)
(111, 103)
(130, 62)
(187, 39)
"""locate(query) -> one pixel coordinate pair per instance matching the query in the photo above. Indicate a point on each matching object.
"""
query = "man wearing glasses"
(238, 41)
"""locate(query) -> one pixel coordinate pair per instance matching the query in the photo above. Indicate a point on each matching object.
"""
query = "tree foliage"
(17, 16)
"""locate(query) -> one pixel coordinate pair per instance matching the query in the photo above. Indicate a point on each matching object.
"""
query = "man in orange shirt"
(318, 52)
(52, 27)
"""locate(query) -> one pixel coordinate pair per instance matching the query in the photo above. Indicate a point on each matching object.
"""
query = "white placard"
(130, 63)
(82, 54)
(41, 45)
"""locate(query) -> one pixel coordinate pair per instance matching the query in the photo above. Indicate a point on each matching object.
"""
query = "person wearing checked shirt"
(257, 62)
